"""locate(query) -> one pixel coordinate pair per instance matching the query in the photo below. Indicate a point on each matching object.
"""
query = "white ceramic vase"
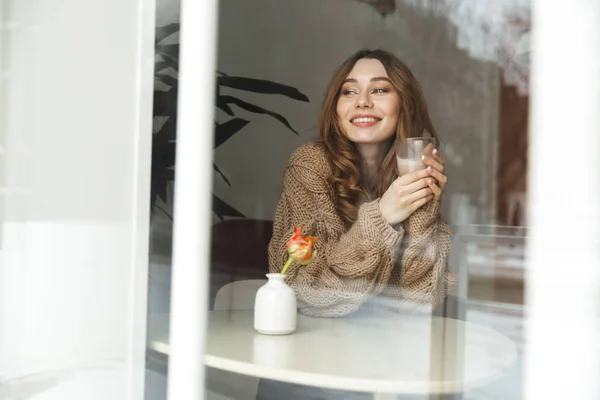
(275, 310)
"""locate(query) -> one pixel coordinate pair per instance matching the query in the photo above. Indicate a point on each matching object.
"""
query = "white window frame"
(563, 275)
(192, 215)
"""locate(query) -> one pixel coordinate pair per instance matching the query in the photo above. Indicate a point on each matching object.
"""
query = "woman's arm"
(424, 257)
(350, 266)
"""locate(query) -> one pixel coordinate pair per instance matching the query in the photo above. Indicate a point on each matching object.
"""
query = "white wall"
(300, 43)
(76, 129)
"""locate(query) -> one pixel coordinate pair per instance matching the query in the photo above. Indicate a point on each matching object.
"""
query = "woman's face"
(368, 105)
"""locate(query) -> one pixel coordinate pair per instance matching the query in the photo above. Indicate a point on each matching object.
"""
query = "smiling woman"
(372, 99)
(380, 235)
(377, 100)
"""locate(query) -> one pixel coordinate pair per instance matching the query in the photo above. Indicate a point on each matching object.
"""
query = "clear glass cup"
(409, 152)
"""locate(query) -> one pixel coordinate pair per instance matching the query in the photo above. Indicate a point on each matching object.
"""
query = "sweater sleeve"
(424, 254)
(350, 265)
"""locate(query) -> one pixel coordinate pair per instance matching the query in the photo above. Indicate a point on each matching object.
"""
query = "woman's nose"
(363, 101)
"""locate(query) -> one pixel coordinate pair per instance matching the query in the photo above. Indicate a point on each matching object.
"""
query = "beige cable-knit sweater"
(407, 263)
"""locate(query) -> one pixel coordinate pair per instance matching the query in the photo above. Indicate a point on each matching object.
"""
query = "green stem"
(287, 265)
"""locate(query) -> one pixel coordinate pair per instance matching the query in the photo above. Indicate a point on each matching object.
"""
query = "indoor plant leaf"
(167, 79)
(227, 129)
(222, 209)
(165, 103)
(222, 104)
(166, 133)
(161, 65)
(159, 182)
(165, 31)
(168, 154)
(167, 62)
(217, 170)
(261, 86)
(168, 50)
(255, 109)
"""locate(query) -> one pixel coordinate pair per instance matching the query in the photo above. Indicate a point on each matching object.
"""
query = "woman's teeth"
(364, 120)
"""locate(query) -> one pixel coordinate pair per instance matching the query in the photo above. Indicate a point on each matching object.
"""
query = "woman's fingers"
(428, 150)
(415, 186)
(418, 195)
(421, 202)
(441, 178)
(438, 156)
(431, 162)
(435, 189)
(407, 179)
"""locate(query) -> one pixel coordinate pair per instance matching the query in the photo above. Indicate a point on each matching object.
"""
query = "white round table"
(380, 354)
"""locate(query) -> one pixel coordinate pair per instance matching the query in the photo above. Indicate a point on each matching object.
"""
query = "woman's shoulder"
(312, 156)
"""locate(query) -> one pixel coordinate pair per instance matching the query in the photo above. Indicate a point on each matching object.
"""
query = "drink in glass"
(409, 152)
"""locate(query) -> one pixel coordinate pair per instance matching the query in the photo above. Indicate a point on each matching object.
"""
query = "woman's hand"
(406, 195)
(435, 167)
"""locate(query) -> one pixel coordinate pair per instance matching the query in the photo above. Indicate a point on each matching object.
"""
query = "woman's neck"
(372, 155)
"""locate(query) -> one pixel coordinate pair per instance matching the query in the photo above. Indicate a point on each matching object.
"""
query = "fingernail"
(423, 158)
(429, 169)
(435, 150)
(430, 181)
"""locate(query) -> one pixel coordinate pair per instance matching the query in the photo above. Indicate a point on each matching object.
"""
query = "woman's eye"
(348, 92)
(380, 90)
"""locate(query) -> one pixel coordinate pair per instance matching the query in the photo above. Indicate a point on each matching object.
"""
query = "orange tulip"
(300, 249)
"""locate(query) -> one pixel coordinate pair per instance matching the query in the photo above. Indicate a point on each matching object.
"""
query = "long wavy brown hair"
(348, 186)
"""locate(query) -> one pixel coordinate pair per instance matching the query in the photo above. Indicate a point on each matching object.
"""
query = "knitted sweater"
(406, 263)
